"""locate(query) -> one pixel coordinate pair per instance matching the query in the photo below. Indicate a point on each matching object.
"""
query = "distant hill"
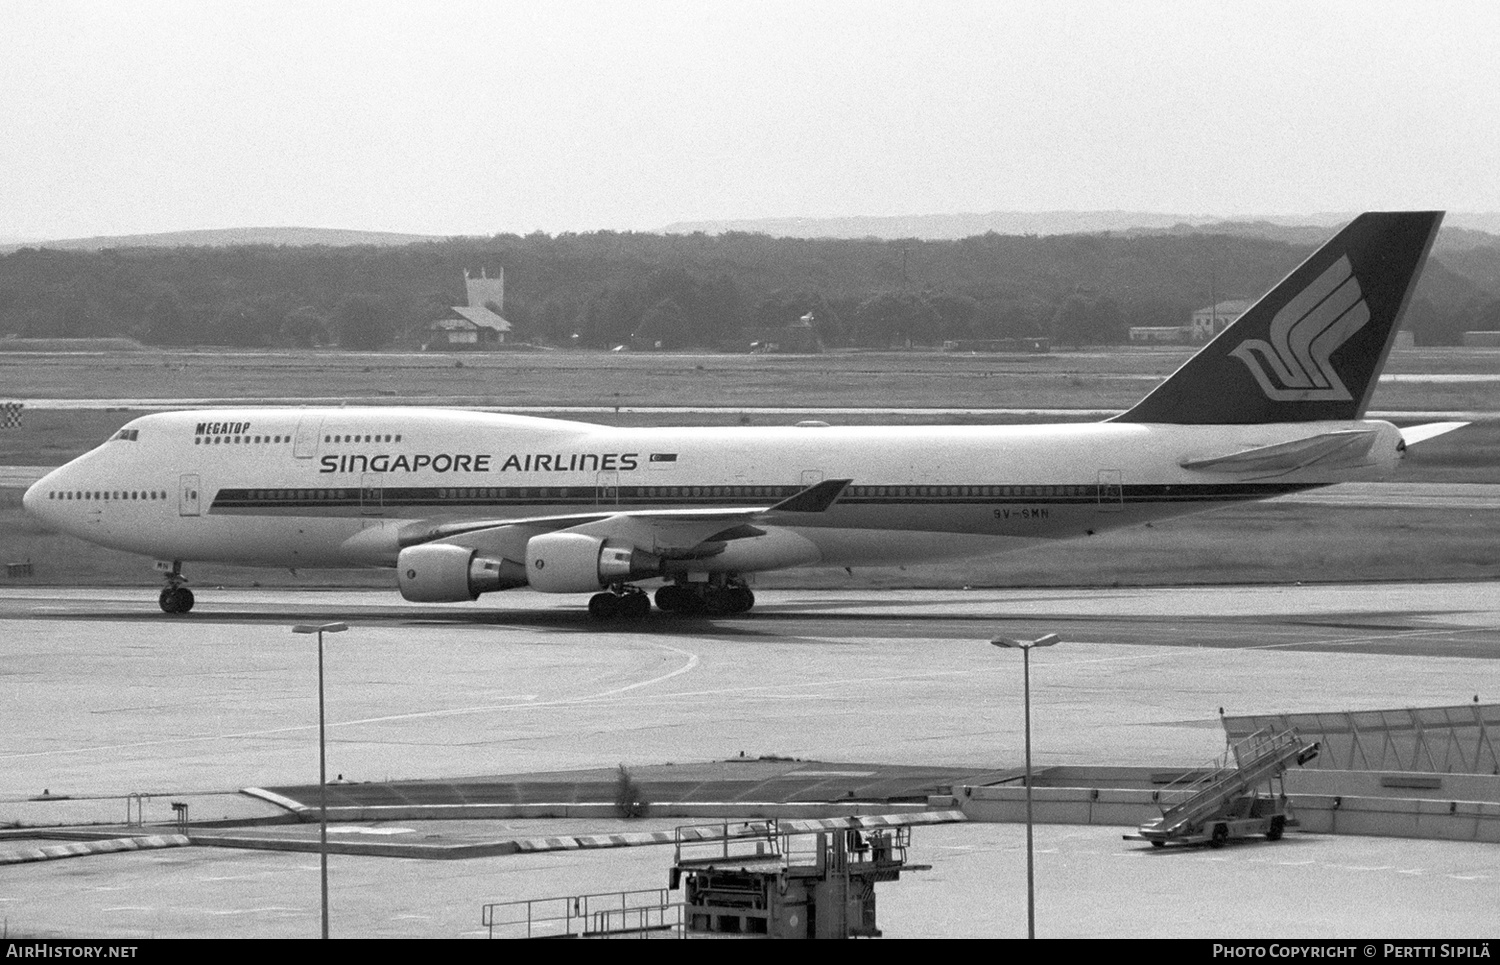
(938, 227)
(1305, 229)
(226, 237)
(1450, 238)
(1469, 242)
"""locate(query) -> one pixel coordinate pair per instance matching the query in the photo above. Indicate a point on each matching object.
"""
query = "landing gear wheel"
(728, 600)
(1158, 844)
(1277, 829)
(672, 598)
(717, 601)
(1220, 836)
(678, 598)
(634, 606)
(176, 599)
(604, 606)
(630, 605)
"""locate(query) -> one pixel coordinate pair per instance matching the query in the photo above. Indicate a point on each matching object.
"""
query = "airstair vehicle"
(1240, 795)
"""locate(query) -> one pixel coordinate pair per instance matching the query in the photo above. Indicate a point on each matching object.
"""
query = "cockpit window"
(129, 435)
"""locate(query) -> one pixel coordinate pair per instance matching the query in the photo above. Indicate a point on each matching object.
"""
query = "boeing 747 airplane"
(463, 503)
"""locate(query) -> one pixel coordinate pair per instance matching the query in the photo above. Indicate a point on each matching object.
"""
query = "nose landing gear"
(175, 597)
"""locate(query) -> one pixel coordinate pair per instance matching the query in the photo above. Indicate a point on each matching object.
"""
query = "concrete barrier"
(78, 849)
(1399, 817)
(1058, 805)
(1400, 784)
(593, 809)
(1378, 816)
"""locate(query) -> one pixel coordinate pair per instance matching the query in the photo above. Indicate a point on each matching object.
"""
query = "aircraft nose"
(35, 499)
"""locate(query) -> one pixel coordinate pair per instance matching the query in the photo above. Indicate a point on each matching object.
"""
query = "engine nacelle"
(445, 573)
(576, 563)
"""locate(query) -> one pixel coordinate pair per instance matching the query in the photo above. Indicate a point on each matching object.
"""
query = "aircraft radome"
(463, 503)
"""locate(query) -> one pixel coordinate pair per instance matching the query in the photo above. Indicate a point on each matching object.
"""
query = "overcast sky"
(466, 118)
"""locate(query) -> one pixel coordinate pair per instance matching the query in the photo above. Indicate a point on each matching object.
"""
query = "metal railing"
(135, 809)
(608, 914)
(1255, 758)
(743, 840)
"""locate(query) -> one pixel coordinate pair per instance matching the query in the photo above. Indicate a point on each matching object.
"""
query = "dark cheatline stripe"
(476, 497)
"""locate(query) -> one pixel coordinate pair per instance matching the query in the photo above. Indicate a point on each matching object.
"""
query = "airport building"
(1213, 319)
(479, 324)
(1206, 322)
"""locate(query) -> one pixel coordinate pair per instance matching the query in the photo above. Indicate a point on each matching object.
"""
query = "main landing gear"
(707, 599)
(723, 598)
(175, 598)
(622, 602)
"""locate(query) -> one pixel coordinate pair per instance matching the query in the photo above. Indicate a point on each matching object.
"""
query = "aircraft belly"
(1026, 521)
(917, 534)
(288, 542)
(879, 547)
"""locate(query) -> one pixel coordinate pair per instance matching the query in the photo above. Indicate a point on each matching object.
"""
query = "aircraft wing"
(672, 531)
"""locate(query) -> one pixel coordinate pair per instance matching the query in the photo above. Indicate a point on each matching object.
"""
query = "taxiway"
(104, 695)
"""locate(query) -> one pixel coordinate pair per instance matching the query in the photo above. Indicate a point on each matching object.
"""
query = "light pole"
(1025, 647)
(321, 629)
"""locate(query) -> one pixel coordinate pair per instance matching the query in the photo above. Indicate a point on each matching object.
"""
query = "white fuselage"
(351, 486)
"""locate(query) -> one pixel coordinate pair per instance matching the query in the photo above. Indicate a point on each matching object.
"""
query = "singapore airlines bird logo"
(1294, 365)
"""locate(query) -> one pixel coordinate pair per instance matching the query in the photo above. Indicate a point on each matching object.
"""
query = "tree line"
(604, 289)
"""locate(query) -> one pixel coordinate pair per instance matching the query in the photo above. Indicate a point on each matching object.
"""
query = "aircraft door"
(371, 494)
(188, 502)
(305, 443)
(607, 488)
(1111, 491)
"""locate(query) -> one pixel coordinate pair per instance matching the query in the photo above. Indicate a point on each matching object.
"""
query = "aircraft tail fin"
(1311, 349)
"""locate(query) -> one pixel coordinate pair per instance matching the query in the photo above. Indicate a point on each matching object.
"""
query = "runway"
(104, 695)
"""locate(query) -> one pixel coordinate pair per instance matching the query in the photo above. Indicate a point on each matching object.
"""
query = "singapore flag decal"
(1294, 365)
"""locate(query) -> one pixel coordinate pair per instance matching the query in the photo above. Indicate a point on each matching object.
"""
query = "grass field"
(1075, 380)
(1246, 544)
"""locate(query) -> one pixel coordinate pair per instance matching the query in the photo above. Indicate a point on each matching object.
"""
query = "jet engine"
(445, 573)
(576, 563)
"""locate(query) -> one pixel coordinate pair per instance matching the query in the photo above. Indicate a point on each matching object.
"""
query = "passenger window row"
(1023, 491)
(121, 494)
(252, 440)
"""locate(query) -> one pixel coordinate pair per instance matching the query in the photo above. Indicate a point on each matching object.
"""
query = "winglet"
(813, 499)
(1312, 348)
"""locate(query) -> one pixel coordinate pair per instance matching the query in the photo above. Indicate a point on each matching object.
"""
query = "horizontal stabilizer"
(1328, 450)
(1412, 435)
